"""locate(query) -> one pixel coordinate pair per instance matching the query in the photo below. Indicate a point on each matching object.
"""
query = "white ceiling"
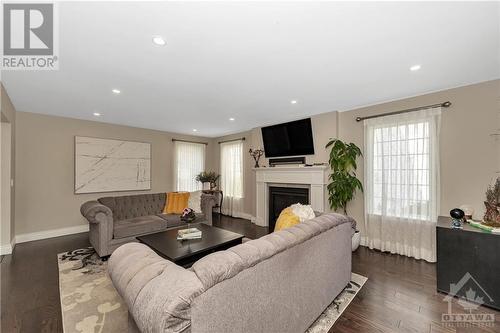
(249, 60)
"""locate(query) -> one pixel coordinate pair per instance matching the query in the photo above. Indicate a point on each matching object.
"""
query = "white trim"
(33, 236)
(6, 249)
(244, 216)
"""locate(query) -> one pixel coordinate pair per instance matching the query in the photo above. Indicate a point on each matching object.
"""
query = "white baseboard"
(33, 236)
(6, 249)
(244, 216)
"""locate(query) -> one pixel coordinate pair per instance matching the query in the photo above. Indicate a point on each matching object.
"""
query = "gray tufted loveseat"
(115, 221)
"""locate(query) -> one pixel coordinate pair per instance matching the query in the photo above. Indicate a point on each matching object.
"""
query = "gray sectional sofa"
(115, 221)
(279, 283)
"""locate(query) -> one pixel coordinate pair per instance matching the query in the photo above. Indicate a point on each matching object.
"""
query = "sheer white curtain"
(189, 160)
(231, 178)
(402, 183)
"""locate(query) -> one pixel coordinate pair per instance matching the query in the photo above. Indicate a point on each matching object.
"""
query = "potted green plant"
(343, 181)
(208, 179)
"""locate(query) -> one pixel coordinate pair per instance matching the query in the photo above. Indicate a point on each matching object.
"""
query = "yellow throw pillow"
(286, 219)
(176, 202)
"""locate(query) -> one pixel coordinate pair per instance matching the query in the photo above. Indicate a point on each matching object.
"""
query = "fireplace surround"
(313, 178)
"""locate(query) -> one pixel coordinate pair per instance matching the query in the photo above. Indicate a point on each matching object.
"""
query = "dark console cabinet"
(469, 250)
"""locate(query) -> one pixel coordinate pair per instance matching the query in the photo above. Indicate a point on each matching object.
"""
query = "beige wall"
(468, 152)
(8, 116)
(45, 167)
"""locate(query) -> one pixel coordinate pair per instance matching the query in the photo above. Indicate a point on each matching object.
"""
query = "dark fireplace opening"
(282, 197)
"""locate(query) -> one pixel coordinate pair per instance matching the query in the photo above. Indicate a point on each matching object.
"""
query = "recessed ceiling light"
(195, 130)
(231, 119)
(415, 68)
(293, 102)
(116, 91)
(97, 114)
(158, 40)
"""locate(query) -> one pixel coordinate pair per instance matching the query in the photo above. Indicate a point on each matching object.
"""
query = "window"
(402, 168)
(232, 169)
(231, 178)
(189, 160)
(402, 183)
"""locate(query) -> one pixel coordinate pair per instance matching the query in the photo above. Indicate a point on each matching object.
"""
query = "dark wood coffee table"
(185, 253)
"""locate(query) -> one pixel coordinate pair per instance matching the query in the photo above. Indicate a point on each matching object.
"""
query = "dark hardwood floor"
(240, 226)
(399, 295)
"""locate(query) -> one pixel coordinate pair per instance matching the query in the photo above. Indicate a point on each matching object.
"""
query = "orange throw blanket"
(176, 202)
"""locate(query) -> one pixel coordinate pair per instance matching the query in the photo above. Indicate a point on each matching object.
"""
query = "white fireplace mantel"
(315, 178)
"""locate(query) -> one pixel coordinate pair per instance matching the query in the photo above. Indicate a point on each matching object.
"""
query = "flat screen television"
(289, 139)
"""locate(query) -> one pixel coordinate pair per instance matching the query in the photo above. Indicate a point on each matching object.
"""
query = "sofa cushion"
(138, 226)
(131, 206)
(176, 202)
(195, 201)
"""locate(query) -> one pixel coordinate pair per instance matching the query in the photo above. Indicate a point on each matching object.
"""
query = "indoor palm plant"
(343, 181)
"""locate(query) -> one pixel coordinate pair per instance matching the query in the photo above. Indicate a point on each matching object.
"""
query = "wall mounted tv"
(289, 139)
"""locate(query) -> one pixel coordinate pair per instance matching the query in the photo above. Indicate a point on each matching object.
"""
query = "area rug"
(90, 303)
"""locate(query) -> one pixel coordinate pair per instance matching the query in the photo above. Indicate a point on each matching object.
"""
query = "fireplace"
(282, 197)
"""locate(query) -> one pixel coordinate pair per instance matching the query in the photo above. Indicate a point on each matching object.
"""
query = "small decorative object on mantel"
(256, 154)
(492, 203)
(457, 217)
(188, 215)
(208, 179)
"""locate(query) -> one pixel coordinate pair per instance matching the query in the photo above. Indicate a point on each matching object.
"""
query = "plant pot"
(206, 186)
(356, 240)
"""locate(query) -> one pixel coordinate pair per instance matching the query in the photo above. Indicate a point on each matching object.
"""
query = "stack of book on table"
(191, 233)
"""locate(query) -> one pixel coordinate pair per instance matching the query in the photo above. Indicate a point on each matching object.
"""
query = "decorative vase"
(256, 154)
(356, 240)
(206, 186)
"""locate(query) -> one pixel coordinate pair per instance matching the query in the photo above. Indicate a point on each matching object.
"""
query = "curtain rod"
(239, 139)
(446, 104)
(198, 142)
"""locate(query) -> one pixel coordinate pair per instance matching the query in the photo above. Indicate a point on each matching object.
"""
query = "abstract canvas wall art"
(104, 165)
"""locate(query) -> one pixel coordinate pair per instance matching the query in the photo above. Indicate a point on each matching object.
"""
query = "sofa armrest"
(208, 202)
(95, 212)
(100, 219)
(158, 292)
